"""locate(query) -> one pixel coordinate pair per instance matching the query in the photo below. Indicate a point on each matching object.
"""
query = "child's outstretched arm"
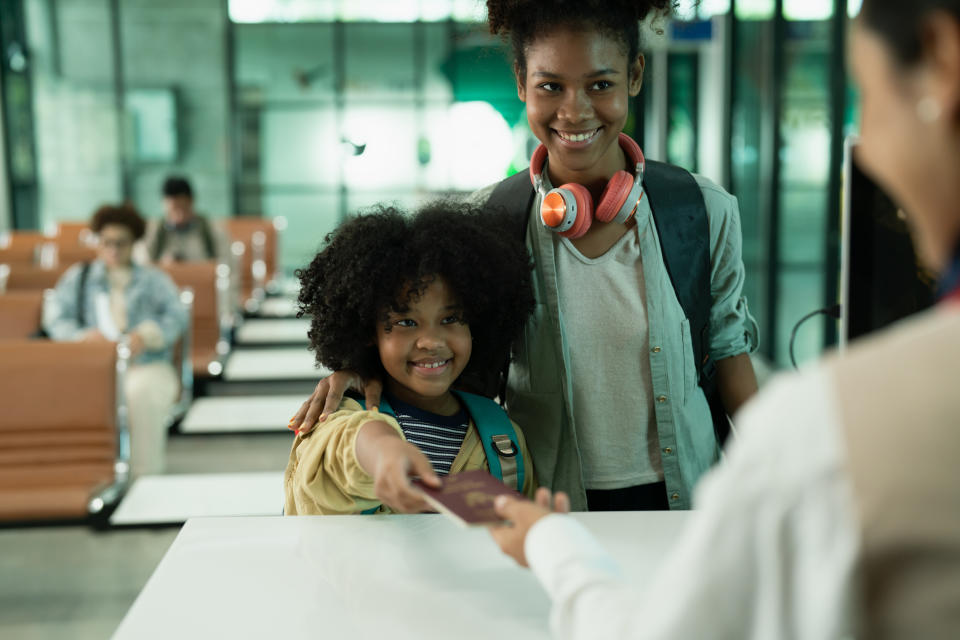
(354, 461)
(391, 461)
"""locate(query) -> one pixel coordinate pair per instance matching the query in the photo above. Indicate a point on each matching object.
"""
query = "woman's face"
(914, 159)
(116, 245)
(577, 91)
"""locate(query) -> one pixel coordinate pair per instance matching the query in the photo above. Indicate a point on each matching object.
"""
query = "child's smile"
(425, 348)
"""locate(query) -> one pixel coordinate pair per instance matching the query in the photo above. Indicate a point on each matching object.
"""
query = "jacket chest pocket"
(534, 366)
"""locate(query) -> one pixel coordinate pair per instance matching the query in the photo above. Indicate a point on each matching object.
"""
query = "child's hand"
(391, 461)
(522, 515)
(396, 461)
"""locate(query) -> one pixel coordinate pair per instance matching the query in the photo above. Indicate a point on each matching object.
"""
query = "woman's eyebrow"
(592, 74)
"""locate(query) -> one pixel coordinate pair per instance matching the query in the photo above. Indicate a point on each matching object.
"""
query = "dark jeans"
(643, 497)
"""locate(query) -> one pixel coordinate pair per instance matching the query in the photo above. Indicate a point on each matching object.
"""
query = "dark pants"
(643, 497)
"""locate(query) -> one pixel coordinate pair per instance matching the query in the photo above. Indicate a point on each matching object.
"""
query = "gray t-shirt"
(602, 301)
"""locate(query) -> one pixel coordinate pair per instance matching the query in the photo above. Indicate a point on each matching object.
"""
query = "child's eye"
(404, 322)
(454, 319)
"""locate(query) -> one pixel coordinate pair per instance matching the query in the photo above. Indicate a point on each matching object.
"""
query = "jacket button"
(656, 349)
(662, 399)
(668, 450)
(675, 496)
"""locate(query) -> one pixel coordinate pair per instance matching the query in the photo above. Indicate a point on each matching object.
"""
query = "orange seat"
(23, 247)
(258, 265)
(20, 314)
(58, 435)
(71, 254)
(74, 234)
(201, 277)
(28, 277)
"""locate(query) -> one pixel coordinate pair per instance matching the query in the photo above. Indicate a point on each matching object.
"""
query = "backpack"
(161, 240)
(499, 439)
(674, 196)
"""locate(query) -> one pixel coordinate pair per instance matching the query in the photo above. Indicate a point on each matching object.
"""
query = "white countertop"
(358, 577)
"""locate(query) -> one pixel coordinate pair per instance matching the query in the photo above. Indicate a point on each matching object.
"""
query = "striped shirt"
(438, 437)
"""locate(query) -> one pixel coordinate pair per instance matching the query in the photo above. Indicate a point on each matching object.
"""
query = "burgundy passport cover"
(467, 497)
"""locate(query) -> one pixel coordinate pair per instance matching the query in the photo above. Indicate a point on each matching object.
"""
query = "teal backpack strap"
(387, 409)
(498, 437)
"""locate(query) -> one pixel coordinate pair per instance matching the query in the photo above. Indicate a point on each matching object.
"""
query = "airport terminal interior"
(286, 117)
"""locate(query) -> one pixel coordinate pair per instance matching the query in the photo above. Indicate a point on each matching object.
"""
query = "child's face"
(425, 349)
(577, 90)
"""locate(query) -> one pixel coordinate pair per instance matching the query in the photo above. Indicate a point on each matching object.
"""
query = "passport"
(467, 498)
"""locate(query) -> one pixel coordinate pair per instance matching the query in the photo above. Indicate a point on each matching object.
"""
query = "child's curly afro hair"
(381, 259)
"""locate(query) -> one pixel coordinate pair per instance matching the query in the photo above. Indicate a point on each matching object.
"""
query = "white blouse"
(770, 551)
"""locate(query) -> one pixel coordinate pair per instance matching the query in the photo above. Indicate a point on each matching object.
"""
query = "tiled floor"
(74, 583)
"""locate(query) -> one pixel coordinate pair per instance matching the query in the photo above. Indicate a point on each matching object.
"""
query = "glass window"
(808, 9)
(754, 9)
(284, 62)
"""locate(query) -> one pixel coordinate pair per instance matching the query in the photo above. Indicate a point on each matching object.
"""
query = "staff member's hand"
(326, 398)
(522, 515)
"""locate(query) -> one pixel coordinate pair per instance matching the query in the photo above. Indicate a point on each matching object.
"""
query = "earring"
(928, 109)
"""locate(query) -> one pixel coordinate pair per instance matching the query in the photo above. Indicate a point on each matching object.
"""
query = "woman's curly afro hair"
(124, 215)
(381, 260)
(526, 20)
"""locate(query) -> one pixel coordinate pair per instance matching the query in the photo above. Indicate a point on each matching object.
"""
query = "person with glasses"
(113, 298)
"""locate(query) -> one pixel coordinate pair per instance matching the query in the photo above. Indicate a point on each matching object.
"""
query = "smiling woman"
(616, 363)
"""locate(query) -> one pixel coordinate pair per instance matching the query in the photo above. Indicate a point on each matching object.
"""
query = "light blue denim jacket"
(151, 295)
(539, 387)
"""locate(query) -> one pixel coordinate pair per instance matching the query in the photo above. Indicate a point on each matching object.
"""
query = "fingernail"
(322, 417)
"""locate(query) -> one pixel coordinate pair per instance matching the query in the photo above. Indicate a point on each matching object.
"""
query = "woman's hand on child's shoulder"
(326, 399)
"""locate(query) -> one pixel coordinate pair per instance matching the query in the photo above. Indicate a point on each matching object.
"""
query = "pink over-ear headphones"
(568, 209)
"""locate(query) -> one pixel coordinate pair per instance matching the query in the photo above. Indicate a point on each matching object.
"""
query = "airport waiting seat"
(68, 255)
(26, 277)
(27, 248)
(20, 314)
(256, 256)
(64, 447)
(74, 234)
(210, 336)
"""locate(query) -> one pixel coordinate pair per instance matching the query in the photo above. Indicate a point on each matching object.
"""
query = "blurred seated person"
(183, 235)
(114, 299)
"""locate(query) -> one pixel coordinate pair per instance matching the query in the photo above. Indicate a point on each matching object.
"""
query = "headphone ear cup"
(614, 196)
(584, 210)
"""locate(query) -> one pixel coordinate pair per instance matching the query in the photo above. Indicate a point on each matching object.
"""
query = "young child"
(421, 302)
